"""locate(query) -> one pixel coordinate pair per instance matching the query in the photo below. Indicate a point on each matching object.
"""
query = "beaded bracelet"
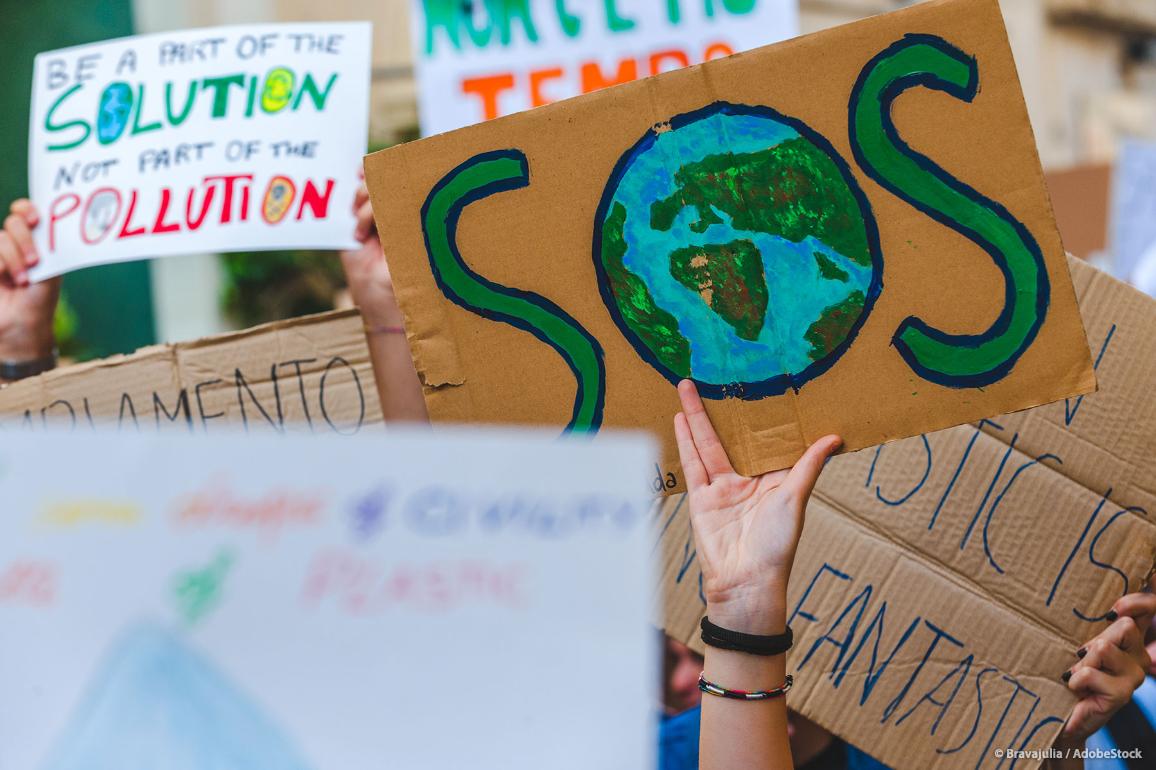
(711, 688)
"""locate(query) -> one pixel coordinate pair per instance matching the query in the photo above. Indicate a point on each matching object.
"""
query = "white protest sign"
(207, 140)
(1133, 207)
(433, 600)
(480, 60)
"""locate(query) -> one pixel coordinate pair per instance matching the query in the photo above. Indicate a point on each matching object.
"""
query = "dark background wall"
(111, 305)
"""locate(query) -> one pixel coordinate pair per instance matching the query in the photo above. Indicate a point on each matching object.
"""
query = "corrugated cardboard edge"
(169, 352)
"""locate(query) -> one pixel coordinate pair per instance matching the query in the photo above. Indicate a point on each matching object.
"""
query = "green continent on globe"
(730, 279)
(653, 325)
(829, 270)
(792, 190)
(833, 325)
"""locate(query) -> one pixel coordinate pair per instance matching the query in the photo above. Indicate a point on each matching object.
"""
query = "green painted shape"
(733, 275)
(829, 270)
(792, 190)
(571, 24)
(656, 327)
(616, 22)
(473, 181)
(931, 191)
(197, 592)
(833, 325)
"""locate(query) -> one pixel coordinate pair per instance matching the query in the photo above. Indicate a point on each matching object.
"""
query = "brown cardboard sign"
(846, 232)
(945, 581)
(309, 375)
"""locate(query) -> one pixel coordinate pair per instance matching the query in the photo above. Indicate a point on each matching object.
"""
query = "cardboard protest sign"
(844, 233)
(280, 604)
(477, 61)
(944, 582)
(207, 140)
(306, 375)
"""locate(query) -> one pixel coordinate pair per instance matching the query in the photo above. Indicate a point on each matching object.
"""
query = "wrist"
(27, 344)
(758, 609)
(380, 311)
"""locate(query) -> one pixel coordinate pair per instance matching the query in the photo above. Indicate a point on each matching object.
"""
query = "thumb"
(1081, 715)
(800, 481)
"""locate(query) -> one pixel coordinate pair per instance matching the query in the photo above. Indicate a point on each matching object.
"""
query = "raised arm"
(398, 386)
(746, 531)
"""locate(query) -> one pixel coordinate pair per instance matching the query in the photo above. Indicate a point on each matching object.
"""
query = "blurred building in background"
(1088, 66)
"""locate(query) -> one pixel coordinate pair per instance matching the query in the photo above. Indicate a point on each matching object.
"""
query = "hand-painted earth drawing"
(734, 247)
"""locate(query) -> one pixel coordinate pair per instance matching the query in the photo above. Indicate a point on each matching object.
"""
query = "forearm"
(26, 350)
(751, 735)
(398, 387)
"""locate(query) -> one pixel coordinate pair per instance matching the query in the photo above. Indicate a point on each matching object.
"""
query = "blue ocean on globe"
(805, 276)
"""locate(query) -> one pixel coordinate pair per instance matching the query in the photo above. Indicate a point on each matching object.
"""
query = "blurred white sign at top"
(480, 59)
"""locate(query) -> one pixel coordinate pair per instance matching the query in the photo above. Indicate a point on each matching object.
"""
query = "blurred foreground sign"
(208, 140)
(843, 233)
(281, 604)
(480, 60)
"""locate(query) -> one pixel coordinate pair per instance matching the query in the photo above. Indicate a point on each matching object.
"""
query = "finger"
(1139, 606)
(365, 224)
(800, 482)
(360, 197)
(710, 449)
(1087, 717)
(11, 264)
(692, 467)
(25, 208)
(1104, 685)
(1124, 635)
(17, 227)
(1104, 657)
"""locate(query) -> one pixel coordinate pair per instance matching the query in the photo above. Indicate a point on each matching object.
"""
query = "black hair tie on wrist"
(753, 644)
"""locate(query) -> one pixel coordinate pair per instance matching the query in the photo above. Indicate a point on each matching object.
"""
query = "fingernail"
(1081, 652)
(1112, 615)
(1067, 675)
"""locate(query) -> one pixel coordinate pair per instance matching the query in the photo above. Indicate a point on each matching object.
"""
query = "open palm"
(746, 529)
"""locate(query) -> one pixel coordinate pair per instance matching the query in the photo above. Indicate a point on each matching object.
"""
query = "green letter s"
(954, 360)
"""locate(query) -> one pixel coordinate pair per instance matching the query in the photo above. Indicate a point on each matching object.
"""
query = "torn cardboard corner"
(944, 581)
(821, 244)
(309, 374)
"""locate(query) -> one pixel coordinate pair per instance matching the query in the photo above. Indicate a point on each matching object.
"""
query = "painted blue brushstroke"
(158, 705)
